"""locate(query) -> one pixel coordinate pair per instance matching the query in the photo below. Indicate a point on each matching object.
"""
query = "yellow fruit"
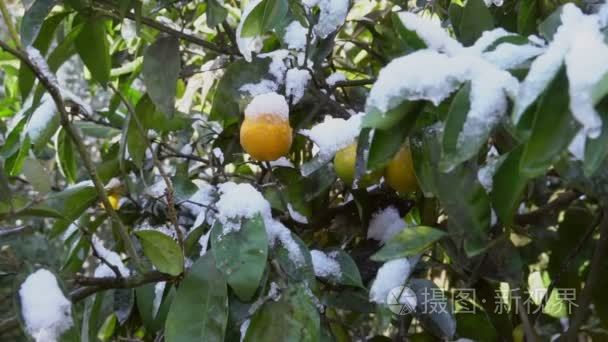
(114, 199)
(400, 171)
(266, 137)
(345, 163)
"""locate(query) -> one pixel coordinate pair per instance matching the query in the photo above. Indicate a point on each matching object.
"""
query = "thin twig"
(170, 191)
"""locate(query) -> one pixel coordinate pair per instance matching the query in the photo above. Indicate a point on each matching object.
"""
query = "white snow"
(579, 44)
(217, 153)
(282, 162)
(324, 265)
(248, 45)
(111, 257)
(239, 201)
(296, 82)
(276, 231)
(296, 216)
(269, 103)
(159, 289)
(509, 56)
(243, 329)
(40, 63)
(46, 312)
(335, 78)
(334, 134)
(385, 224)
(485, 174)
(204, 242)
(577, 145)
(262, 87)
(277, 67)
(295, 35)
(41, 118)
(431, 32)
(392, 274)
(157, 189)
(333, 14)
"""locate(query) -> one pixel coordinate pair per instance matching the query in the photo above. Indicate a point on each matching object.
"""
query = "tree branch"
(74, 135)
(10, 232)
(561, 202)
(595, 273)
(111, 12)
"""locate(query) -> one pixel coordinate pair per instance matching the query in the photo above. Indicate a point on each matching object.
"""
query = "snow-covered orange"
(265, 133)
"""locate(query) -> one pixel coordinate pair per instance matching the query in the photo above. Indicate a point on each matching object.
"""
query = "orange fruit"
(400, 173)
(266, 137)
(345, 164)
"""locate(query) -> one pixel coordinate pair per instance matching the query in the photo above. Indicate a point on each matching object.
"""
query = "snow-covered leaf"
(292, 318)
(409, 242)
(241, 255)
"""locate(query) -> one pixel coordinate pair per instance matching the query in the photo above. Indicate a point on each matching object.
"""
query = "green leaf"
(349, 272)
(507, 186)
(107, 328)
(17, 163)
(93, 48)
(264, 17)
(37, 175)
(216, 13)
(67, 157)
(43, 123)
(199, 311)
(455, 150)
(133, 137)
(295, 271)
(153, 318)
(292, 318)
(526, 17)
(241, 255)
(225, 106)
(72, 201)
(549, 26)
(552, 130)
(33, 18)
(455, 11)
(440, 323)
(463, 198)
(161, 68)
(476, 19)
(386, 143)
(409, 242)
(410, 38)
(162, 250)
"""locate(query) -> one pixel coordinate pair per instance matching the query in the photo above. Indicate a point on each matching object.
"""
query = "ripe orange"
(266, 137)
(345, 164)
(399, 173)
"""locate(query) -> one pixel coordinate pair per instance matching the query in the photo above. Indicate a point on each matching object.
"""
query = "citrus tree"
(314, 170)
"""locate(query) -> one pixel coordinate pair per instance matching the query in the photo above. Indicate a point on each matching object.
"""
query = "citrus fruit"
(265, 133)
(399, 173)
(345, 163)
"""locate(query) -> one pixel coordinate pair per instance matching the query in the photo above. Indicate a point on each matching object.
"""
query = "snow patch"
(385, 224)
(295, 83)
(334, 134)
(392, 274)
(325, 265)
(295, 35)
(111, 257)
(335, 78)
(46, 311)
(269, 103)
(239, 201)
(296, 216)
